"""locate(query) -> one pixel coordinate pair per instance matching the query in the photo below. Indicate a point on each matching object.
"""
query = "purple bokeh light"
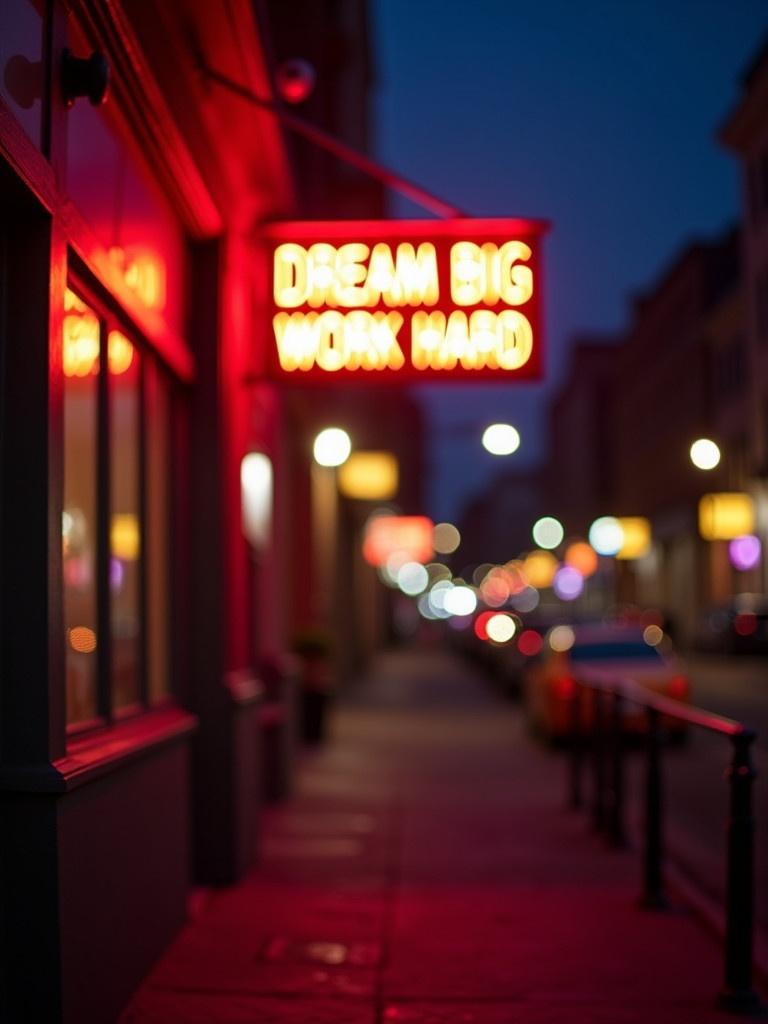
(744, 552)
(568, 583)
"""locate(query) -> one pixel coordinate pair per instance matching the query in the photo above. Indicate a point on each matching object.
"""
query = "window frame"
(107, 714)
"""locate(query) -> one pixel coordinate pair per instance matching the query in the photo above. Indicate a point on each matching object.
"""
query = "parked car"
(628, 652)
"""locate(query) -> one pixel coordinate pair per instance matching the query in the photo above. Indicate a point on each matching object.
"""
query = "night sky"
(600, 116)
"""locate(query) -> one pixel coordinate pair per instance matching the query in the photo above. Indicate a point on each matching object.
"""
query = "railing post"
(653, 896)
(738, 994)
(576, 799)
(598, 762)
(616, 832)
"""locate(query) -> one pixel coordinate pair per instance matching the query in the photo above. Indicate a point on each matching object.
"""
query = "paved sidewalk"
(427, 873)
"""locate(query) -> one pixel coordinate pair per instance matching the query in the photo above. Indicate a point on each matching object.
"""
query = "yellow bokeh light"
(653, 635)
(369, 476)
(125, 539)
(705, 454)
(637, 537)
(726, 515)
(539, 568)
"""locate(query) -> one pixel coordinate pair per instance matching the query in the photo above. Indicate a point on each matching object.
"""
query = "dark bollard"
(616, 830)
(576, 799)
(598, 763)
(653, 897)
(738, 994)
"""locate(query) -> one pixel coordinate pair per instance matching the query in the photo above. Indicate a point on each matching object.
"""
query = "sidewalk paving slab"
(428, 873)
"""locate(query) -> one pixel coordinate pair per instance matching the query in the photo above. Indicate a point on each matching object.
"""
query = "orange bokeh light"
(582, 557)
(409, 536)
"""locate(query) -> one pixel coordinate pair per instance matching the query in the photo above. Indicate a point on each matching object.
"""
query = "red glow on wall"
(406, 300)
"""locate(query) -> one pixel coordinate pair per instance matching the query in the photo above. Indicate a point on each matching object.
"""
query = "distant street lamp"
(332, 447)
(501, 439)
(705, 454)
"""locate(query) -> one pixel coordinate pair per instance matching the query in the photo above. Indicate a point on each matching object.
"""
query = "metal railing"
(603, 738)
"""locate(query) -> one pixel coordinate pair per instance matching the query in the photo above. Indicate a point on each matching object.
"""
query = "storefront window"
(79, 517)
(114, 191)
(157, 413)
(21, 61)
(125, 519)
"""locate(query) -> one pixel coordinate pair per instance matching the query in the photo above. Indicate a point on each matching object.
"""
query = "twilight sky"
(599, 115)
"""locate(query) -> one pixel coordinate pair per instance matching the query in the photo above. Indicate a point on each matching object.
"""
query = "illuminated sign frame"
(405, 301)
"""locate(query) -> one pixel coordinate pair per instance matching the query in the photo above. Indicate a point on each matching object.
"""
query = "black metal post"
(616, 830)
(738, 994)
(598, 762)
(653, 897)
(577, 750)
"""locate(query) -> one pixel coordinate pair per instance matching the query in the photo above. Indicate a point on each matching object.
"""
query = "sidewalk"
(427, 873)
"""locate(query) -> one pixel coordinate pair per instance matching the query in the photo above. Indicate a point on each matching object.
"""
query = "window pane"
(125, 520)
(158, 521)
(21, 62)
(79, 522)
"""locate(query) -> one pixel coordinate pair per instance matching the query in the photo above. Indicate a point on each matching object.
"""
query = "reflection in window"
(79, 521)
(158, 522)
(125, 520)
(21, 63)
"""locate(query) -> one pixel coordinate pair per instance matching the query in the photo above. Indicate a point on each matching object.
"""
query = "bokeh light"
(561, 639)
(332, 447)
(606, 535)
(412, 578)
(525, 600)
(501, 628)
(705, 454)
(481, 623)
(460, 600)
(581, 556)
(540, 568)
(445, 538)
(744, 552)
(568, 583)
(653, 635)
(548, 532)
(501, 439)
(530, 643)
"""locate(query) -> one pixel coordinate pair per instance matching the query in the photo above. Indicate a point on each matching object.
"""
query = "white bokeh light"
(332, 447)
(501, 439)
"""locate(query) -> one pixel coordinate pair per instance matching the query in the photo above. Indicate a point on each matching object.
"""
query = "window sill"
(100, 753)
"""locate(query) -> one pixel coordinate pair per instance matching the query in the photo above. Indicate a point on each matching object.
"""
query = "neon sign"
(384, 300)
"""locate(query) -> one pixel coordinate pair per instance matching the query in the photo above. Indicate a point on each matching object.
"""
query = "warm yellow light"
(637, 537)
(705, 454)
(369, 476)
(124, 535)
(581, 556)
(500, 628)
(499, 341)
(324, 275)
(339, 341)
(561, 639)
(332, 447)
(143, 272)
(490, 274)
(80, 354)
(726, 516)
(119, 353)
(540, 568)
(501, 439)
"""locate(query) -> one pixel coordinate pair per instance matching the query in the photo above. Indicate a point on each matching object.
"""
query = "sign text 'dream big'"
(417, 300)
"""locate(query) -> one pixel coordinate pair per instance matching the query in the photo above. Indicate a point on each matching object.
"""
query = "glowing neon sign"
(386, 300)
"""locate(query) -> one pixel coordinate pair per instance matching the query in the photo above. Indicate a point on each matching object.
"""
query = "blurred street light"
(705, 454)
(548, 532)
(332, 447)
(501, 439)
(606, 535)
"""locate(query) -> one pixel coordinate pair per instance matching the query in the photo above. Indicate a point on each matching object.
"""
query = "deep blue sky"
(600, 115)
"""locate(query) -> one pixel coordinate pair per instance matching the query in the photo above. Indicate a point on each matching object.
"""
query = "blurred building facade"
(156, 488)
